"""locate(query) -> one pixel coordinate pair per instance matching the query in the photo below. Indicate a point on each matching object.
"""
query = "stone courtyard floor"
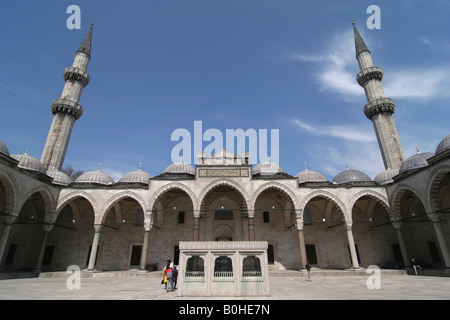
(342, 287)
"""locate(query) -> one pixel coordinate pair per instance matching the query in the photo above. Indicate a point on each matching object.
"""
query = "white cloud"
(347, 133)
(335, 71)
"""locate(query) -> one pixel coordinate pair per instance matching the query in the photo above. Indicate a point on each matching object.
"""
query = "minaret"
(379, 109)
(66, 110)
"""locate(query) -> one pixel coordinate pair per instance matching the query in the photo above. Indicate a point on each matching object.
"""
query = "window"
(11, 253)
(181, 217)
(224, 215)
(266, 217)
(48, 255)
(136, 256)
(311, 253)
(270, 254)
(434, 252)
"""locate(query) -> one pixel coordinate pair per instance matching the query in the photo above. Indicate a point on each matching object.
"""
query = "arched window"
(223, 267)
(195, 267)
(251, 267)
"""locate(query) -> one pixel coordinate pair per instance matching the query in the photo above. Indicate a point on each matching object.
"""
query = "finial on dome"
(99, 166)
(346, 166)
(417, 148)
(140, 166)
(306, 166)
(28, 149)
(353, 22)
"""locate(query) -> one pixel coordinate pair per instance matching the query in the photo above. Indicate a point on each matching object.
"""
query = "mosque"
(50, 222)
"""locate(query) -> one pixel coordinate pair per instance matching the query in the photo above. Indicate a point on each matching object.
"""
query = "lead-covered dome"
(385, 176)
(3, 148)
(349, 175)
(28, 162)
(97, 177)
(419, 160)
(442, 146)
(137, 176)
(59, 178)
(267, 168)
(310, 176)
(180, 168)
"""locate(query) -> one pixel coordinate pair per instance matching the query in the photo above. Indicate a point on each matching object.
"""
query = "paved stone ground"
(393, 287)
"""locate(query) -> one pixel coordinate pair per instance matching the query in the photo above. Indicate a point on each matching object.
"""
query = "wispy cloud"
(336, 68)
(347, 133)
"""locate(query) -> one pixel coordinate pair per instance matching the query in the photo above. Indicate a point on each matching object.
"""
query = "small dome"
(267, 168)
(138, 176)
(3, 148)
(29, 163)
(59, 177)
(385, 176)
(419, 160)
(442, 146)
(180, 168)
(351, 176)
(310, 176)
(97, 177)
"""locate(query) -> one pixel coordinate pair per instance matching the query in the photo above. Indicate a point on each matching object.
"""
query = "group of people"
(170, 276)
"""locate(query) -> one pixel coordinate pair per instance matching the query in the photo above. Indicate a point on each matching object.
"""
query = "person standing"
(308, 269)
(169, 275)
(174, 278)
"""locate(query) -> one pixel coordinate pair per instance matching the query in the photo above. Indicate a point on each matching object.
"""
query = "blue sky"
(158, 66)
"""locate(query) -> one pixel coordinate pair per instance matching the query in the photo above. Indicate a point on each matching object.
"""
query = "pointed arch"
(324, 194)
(117, 198)
(72, 196)
(229, 183)
(11, 190)
(381, 199)
(172, 186)
(276, 185)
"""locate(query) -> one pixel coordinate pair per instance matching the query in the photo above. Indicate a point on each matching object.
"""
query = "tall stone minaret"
(66, 110)
(379, 109)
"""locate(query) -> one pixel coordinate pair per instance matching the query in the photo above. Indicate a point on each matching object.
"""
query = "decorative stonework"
(223, 245)
(68, 107)
(214, 173)
(76, 74)
(383, 106)
(368, 74)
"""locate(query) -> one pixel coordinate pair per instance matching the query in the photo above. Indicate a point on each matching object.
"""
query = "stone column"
(47, 229)
(7, 221)
(144, 250)
(442, 242)
(401, 243)
(251, 226)
(196, 236)
(93, 255)
(301, 242)
(351, 244)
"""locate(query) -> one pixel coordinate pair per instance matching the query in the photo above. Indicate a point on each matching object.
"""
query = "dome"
(97, 177)
(351, 176)
(29, 163)
(3, 148)
(59, 177)
(267, 168)
(310, 176)
(138, 176)
(419, 160)
(385, 177)
(442, 146)
(180, 168)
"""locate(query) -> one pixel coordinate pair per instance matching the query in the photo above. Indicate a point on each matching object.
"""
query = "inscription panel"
(212, 173)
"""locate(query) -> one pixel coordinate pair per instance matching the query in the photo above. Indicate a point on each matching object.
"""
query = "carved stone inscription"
(223, 173)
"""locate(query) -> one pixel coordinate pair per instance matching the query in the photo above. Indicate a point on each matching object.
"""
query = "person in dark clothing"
(308, 268)
(174, 278)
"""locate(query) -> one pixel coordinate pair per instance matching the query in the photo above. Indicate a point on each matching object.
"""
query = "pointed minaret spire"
(378, 109)
(360, 45)
(86, 45)
(67, 109)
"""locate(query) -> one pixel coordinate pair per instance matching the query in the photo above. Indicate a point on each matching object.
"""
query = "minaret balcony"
(379, 106)
(68, 107)
(76, 74)
(368, 74)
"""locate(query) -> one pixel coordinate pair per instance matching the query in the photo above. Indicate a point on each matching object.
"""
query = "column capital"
(98, 228)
